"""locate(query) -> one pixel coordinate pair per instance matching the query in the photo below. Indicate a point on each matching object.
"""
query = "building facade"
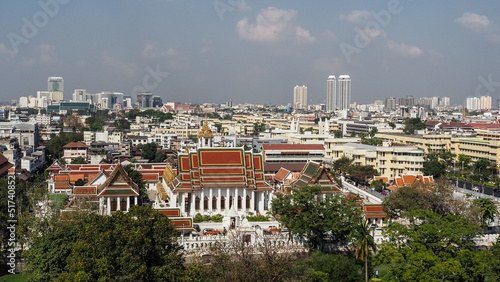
(344, 92)
(331, 93)
(300, 97)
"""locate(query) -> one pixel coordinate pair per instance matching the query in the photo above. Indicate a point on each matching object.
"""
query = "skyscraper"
(55, 87)
(331, 93)
(300, 97)
(485, 103)
(344, 92)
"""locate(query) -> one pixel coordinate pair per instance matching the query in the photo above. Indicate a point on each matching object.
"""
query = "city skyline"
(251, 51)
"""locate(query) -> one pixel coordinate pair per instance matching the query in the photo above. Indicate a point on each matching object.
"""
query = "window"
(205, 203)
(247, 206)
(214, 203)
(239, 202)
(222, 203)
(197, 203)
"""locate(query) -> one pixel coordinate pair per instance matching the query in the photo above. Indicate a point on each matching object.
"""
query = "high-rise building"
(485, 103)
(331, 93)
(344, 92)
(157, 102)
(389, 103)
(79, 95)
(473, 104)
(145, 100)
(55, 87)
(445, 102)
(300, 97)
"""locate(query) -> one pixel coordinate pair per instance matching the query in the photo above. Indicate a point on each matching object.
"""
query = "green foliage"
(137, 179)
(378, 185)
(258, 127)
(435, 168)
(140, 245)
(79, 160)
(334, 267)
(306, 213)
(488, 210)
(205, 218)
(149, 151)
(257, 218)
(361, 172)
(363, 243)
(161, 116)
(342, 164)
(431, 248)
(56, 142)
(392, 125)
(338, 134)
(374, 141)
(122, 124)
(412, 124)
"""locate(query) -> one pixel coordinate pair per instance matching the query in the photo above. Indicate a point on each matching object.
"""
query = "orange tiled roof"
(282, 173)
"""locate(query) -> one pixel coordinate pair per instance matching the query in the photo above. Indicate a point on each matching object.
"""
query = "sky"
(193, 51)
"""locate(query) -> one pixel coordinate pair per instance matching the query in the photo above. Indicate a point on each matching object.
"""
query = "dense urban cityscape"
(378, 170)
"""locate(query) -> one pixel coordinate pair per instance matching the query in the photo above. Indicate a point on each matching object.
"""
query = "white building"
(300, 97)
(344, 92)
(331, 93)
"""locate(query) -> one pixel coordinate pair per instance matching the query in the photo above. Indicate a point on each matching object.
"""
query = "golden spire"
(168, 174)
(205, 131)
(186, 151)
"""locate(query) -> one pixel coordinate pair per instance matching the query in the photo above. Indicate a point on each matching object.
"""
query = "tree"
(436, 197)
(122, 124)
(137, 179)
(149, 151)
(372, 132)
(432, 247)
(338, 134)
(488, 210)
(361, 173)
(334, 267)
(79, 160)
(321, 220)
(412, 124)
(464, 161)
(363, 242)
(378, 185)
(480, 171)
(362, 135)
(140, 245)
(435, 168)
(392, 125)
(258, 127)
(342, 164)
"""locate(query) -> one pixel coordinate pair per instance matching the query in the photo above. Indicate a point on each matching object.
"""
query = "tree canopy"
(136, 246)
(412, 124)
(320, 220)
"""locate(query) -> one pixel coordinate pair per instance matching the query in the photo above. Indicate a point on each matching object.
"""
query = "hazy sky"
(251, 51)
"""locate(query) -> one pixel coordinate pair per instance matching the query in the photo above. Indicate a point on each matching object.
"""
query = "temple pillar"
(191, 208)
(252, 202)
(128, 203)
(219, 193)
(244, 203)
(235, 199)
(260, 196)
(118, 203)
(202, 203)
(135, 200)
(109, 206)
(210, 196)
(227, 199)
(183, 204)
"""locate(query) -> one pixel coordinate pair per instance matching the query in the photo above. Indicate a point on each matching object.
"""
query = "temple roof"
(313, 174)
(118, 184)
(205, 131)
(219, 167)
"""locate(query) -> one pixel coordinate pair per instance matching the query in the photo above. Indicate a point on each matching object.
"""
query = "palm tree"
(363, 242)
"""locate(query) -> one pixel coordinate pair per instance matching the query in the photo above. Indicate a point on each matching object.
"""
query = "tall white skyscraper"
(331, 93)
(473, 104)
(344, 92)
(300, 97)
(485, 103)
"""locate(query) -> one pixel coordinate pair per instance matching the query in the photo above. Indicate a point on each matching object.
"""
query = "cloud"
(274, 25)
(329, 65)
(243, 7)
(6, 52)
(474, 22)
(479, 24)
(356, 16)
(373, 33)
(151, 50)
(403, 49)
(126, 69)
(207, 46)
(329, 35)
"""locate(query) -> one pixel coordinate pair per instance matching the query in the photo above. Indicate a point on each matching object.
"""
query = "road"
(488, 190)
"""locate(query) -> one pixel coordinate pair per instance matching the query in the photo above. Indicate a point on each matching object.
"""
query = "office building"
(79, 95)
(473, 104)
(55, 87)
(300, 97)
(389, 103)
(145, 100)
(344, 92)
(331, 93)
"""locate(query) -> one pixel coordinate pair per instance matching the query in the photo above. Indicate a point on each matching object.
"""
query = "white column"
(244, 203)
(135, 200)
(261, 202)
(210, 195)
(118, 203)
(109, 205)
(193, 197)
(128, 203)
(183, 203)
(252, 203)
(202, 202)
(227, 199)
(270, 199)
(219, 193)
(235, 199)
